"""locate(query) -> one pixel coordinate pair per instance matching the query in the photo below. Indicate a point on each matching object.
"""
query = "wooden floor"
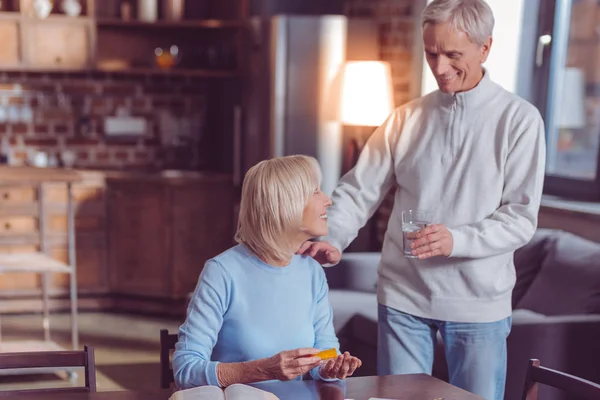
(126, 347)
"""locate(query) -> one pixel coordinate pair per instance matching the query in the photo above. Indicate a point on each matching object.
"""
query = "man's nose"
(440, 66)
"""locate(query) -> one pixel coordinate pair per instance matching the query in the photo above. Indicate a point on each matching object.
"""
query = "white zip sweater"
(476, 159)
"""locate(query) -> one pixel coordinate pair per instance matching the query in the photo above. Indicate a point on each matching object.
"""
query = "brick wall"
(396, 37)
(54, 112)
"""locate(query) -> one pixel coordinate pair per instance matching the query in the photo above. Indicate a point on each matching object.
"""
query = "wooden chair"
(167, 343)
(53, 360)
(579, 387)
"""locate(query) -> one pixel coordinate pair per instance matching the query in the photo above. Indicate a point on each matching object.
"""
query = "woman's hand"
(290, 364)
(340, 367)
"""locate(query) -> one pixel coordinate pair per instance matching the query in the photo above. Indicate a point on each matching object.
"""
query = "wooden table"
(401, 387)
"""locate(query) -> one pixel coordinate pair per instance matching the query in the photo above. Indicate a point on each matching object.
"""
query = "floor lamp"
(367, 99)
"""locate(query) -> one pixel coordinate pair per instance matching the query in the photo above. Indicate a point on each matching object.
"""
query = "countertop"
(166, 176)
(33, 175)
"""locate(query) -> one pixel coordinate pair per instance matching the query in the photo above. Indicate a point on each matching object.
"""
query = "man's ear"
(485, 49)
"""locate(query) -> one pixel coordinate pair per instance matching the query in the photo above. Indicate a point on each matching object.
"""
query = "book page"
(245, 392)
(199, 393)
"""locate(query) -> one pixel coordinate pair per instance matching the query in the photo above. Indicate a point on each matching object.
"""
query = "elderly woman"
(260, 311)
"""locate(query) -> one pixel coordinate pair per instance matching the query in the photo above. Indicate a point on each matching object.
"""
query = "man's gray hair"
(473, 17)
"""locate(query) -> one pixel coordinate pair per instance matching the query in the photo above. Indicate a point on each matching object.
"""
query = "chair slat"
(42, 359)
(52, 359)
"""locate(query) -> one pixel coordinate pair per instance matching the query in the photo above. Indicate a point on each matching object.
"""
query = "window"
(566, 88)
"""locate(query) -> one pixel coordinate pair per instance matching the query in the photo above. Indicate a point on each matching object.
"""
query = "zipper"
(453, 135)
(449, 151)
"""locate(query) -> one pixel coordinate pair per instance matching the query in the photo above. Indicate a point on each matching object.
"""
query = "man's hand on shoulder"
(432, 241)
(322, 252)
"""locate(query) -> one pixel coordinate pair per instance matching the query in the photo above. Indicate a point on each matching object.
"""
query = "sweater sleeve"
(198, 334)
(513, 224)
(325, 337)
(362, 189)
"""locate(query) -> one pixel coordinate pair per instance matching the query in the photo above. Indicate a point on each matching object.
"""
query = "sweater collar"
(479, 94)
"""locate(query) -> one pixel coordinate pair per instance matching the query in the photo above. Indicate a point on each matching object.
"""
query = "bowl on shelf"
(167, 58)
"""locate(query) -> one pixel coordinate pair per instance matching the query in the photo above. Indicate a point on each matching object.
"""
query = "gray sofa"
(556, 304)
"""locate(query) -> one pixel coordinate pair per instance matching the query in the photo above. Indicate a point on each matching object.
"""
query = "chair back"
(53, 360)
(573, 385)
(167, 344)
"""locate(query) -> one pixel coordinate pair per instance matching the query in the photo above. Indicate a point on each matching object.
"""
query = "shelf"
(149, 71)
(206, 23)
(206, 73)
(10, 15)
(54, 18)
(31, 262)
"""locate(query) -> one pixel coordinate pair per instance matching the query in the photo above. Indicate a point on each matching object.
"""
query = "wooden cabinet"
(101, 37)
(202, 228)
(141, 239)
(19, 228)
(54, 44)
(89, 197)
(162, 232)
(9, 51)
(138, 255)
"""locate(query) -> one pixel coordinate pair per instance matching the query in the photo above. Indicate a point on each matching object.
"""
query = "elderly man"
(473, 154)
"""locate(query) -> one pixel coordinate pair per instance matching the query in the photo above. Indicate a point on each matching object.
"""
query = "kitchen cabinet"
(141, 238)
(9, 51)
(46, 43)
(54, 44)
(161, 232)
(105, 38)
(138, 255)
(19, 233)
(24, 235)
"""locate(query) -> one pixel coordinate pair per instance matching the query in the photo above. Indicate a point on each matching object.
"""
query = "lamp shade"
(366, 97)
(572, 103)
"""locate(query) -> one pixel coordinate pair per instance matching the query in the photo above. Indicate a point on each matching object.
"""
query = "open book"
(233, 392)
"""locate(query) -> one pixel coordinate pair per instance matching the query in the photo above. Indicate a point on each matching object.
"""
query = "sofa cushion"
(347, 303)
(528, 262)
(355, 271)
(568, 281)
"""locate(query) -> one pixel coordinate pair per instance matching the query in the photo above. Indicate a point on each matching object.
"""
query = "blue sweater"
(244, 309)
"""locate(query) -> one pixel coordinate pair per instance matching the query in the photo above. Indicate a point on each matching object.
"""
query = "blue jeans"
(475, 352)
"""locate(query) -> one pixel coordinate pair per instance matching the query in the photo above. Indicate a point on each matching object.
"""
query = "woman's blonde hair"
(274, 195)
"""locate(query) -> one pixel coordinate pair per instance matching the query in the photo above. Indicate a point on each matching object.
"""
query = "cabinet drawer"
(18, 225)
(16, 195)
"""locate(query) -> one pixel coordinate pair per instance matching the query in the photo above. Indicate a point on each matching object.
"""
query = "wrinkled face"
(453, 58)
(314, 218)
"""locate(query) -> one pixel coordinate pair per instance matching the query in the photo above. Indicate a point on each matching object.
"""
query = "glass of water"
(412, 222)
